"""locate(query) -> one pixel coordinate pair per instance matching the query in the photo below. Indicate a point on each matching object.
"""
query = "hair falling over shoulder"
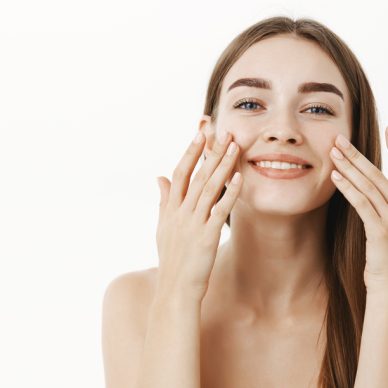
(345, 235)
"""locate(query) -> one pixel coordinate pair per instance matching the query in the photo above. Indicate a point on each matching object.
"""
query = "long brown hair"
(345, 234)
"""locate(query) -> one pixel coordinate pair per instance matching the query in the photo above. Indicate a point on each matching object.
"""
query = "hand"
(366, 188)
(189, 229)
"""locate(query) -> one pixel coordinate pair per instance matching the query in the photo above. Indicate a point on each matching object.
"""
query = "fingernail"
(232, 147)
(236, 178)
(337, 153)
(336, 175)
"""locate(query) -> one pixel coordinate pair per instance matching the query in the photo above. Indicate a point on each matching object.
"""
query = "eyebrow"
(307, 87)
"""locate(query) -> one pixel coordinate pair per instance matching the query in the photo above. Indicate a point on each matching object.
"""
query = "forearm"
(372, 370)
(171, 354)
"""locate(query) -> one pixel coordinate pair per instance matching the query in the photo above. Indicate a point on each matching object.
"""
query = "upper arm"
(124, 318)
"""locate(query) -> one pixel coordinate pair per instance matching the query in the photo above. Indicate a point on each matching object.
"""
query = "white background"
(97, 99)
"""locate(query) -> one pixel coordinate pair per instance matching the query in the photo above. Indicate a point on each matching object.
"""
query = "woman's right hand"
(189, 228)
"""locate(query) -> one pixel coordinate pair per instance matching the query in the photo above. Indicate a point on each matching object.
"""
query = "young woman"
(298, 296)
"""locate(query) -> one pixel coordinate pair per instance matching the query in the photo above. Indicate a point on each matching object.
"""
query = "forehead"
(286, 61)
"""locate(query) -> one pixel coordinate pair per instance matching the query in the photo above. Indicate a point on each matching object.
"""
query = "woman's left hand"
(366, 188)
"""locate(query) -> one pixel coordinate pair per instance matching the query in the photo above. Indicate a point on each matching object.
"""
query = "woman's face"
(283, 120)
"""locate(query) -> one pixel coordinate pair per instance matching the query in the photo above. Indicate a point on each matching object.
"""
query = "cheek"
(321, 147)
(240, 134)
(343, 128)
(327, 165)
(325, 154)
(228, 122)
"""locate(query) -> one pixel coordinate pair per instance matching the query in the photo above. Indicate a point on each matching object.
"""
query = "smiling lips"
(281, 158)
(274, 173)
(280, 166)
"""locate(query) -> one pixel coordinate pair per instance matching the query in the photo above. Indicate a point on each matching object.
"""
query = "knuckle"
(369, 187)
(375, 174)
(220, 211)
(178, 173)
(201, 177)
(217, 152)
(354, 154)
(347, 166)
(209, 189)
(192, 150)
(361, 201)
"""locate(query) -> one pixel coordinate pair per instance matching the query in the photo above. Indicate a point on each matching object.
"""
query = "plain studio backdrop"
(98, 98)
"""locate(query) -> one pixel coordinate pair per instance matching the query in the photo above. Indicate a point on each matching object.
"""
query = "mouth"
(285, 171)
(280, 165)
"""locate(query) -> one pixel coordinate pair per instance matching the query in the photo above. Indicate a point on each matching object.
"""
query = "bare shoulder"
(126, 304)
(130, 294)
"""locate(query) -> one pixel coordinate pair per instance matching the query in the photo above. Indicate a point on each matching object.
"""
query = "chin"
(278, 201)
(283, 209)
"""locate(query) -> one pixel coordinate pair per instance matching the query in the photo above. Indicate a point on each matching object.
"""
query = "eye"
(250, 105)
(246, 102)
(322, 108)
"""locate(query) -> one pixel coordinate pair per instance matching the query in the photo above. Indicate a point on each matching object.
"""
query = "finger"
(164, 188)
(216, 183)
(358, 200)
(225, 205)
(184, 169)
(361, 182)
(202, 176)
(386, 136)
(358, 160)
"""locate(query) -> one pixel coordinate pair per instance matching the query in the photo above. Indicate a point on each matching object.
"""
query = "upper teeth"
(279, 165)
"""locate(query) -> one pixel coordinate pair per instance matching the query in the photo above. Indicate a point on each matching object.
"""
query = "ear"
(208, 129)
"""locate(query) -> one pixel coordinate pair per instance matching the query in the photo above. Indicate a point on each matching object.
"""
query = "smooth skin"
(151, 326)
(185, 263)
(273, 262)
(263, 288)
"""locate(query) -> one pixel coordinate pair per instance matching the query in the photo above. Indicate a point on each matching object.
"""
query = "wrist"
(179, 294)
(378, 295)
(376, 284)
(176, 301)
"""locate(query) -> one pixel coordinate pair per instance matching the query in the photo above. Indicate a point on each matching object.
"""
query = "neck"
(274, 265)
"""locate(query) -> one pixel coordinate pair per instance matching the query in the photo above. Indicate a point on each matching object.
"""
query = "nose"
(284, 131)
(283, 136)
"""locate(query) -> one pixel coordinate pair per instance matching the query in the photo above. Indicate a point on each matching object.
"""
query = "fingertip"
(236, 178)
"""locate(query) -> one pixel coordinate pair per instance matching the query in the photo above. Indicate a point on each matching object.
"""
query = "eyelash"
(247, 100)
